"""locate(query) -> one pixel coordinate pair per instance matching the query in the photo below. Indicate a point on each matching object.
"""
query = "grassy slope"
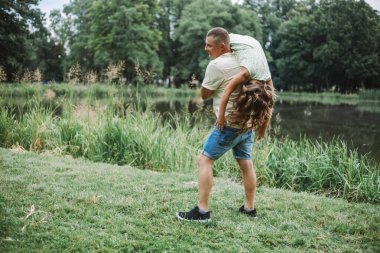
(82, 206)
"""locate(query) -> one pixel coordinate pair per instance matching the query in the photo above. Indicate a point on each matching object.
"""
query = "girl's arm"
(260, 132)
(234, 83)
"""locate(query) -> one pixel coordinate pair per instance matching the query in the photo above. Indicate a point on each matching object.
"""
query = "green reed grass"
(322, 167)
(34, 130)
(369, 106)
(144, 140)
(67, 90)
(370, 94)
(323, 97)
(70, 137)
(17, 90)
(97, 90)
(6, 126)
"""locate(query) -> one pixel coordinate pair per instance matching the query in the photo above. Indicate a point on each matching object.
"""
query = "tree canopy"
(310, 45)
(336, 46)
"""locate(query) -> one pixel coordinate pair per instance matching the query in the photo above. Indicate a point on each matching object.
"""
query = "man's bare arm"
(206, 93)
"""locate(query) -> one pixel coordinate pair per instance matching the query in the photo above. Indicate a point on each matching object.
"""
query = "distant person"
(220, 71)
(254, 106)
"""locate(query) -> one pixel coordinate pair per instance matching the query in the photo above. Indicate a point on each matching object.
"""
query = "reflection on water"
(358, 127)
(320, 121)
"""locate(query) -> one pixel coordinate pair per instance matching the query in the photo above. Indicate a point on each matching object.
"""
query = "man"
(221, 69)
(255, 73)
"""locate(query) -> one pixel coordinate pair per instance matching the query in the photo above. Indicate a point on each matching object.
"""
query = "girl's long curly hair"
(254, 106)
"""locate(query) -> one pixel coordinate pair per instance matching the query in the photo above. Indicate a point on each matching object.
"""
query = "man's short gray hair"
(220, 35)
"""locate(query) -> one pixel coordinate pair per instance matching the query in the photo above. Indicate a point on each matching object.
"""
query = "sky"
(48, 5)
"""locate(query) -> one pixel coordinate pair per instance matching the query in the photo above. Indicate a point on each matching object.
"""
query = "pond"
(360, 129)
(357, 125)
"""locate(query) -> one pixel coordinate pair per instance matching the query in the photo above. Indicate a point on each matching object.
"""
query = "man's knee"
(245, 164)
(204, 160)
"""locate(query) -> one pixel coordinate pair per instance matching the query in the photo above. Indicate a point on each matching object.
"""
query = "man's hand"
(220, 122)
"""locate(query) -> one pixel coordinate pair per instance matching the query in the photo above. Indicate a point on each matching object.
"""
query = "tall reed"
(142, 140)
(34, 130)
(6, 126)
(373, 94)
(322, 167)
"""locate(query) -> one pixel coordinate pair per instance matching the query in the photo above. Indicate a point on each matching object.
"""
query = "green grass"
(98, 90)
(60, 204)
(323, 97)
(15, 90)
(370, 94)
(363, 97)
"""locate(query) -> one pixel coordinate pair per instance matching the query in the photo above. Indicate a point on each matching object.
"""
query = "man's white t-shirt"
(219, 73)
(250, 55)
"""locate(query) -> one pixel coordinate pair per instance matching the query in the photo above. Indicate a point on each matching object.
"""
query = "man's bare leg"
(249, 176)
(204, 181)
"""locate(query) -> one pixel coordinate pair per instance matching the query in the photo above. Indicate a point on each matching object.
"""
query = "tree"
(60, 27)
(167, 20)
(294, 53)
(78, 27)
(334, 46)
(105, 32)
(17, 21)
(48, 56)
(273, 13)
(346, 44)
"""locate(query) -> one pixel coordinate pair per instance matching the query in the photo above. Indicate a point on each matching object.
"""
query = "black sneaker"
(251, 214)
(194, 215)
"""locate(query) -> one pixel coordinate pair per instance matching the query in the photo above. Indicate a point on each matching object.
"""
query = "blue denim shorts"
(219, 142)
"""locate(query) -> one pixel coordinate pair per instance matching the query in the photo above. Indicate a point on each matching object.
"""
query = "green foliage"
(59, 26)
(26, 44)
(22, 36)
(323, 97)
(167, 22)
(310, 45)
(347, 34)
(334, 48)
(295, 53)
(112, 31)
(247, 22)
